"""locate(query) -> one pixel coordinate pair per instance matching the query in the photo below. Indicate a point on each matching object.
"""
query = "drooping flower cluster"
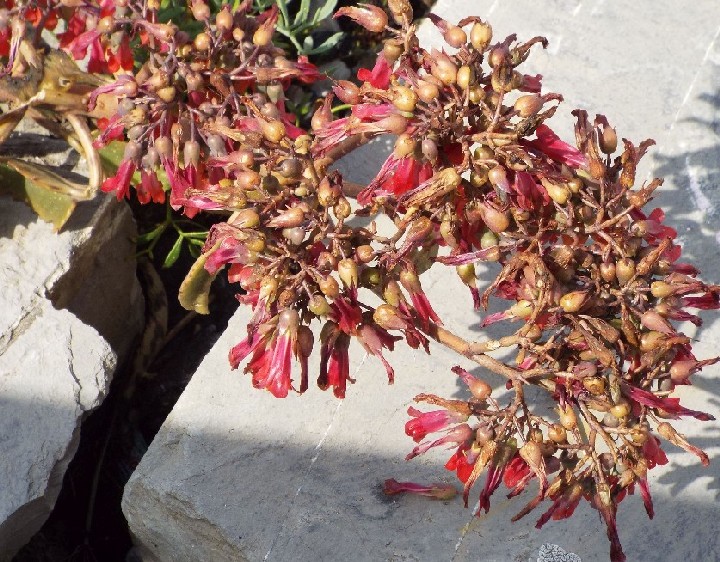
(593, 281)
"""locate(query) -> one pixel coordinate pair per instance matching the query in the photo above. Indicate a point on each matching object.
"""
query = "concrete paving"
(237, 475)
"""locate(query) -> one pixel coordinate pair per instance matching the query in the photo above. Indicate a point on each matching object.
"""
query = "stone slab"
(70, 307)
(237, 475)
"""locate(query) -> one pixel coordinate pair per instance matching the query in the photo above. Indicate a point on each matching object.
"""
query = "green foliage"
(299, 30)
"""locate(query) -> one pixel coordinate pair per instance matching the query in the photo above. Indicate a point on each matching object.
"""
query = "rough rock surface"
(235, 474)
(69, 307)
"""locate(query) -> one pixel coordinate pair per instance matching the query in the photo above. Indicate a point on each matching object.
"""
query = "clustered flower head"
(593, 282)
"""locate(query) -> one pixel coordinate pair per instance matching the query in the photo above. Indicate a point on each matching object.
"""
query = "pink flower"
(670, 405)
(430, 422)
(456, 436)
(530, 195)
(272, 347)
(379, 76)
(436, 491)
(373, 339)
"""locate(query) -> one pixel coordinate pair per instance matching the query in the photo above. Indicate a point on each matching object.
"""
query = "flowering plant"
(592, 281)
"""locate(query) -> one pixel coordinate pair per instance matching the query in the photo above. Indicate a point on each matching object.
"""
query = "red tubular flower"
(602, 501)
(334, 360)
(563, 506)
(435, 491)
(120, 182)
(150, 188)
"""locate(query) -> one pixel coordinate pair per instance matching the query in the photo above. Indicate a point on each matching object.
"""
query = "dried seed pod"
(401, 11)
(621, 409)
(318, 305)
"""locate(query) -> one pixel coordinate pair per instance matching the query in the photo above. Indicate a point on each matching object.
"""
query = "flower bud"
(262, 36)
(202, 41)
(607, 272)
(465, 77)
(455, 36)
(480, 35)
(224, 19)
(294, 235)
(429, 150)
(318, 305)
(621, 409)
(392, 50)
(372, 18)
(388, 317)
(394, 124)
(246, 218)
(466, 272)
(401, 11)
(403, 98)
(268, 288)
(661, 289)
(289, 218)
(273, 131)
(346, 91)
(329, 287)
(200, 10)
(342, 208)
(567, 417)
(573, 302)
(624, 270)
(191, 153)
(557, 433)
(496, 220)
(558, 193)
(527, 106)
(443, 68)
(521, 309)
(608, 140)
(365, 253)
(594, 385)
(427, 91)
(348, 272)
(404, 145)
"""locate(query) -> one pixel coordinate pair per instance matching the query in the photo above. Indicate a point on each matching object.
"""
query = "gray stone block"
(69, 308)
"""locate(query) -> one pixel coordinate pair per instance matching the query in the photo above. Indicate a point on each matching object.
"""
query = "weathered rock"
(235, 474)
(69, 308)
